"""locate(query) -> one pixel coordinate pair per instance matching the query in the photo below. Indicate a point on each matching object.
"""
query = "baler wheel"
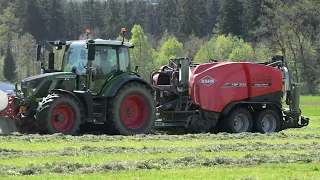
(59, 113)
(132, 110)
(268, 121)
(239, 120)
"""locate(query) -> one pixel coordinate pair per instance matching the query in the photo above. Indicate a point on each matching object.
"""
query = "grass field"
(290, 154)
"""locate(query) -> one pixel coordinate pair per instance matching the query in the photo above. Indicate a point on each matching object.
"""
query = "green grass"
(290, 154)
(263, 172)
(310, 99)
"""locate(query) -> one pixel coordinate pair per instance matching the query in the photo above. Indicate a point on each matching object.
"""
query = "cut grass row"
(156, 144)
(159, 164)
(92, 150)
(261, 172)
(103, 158)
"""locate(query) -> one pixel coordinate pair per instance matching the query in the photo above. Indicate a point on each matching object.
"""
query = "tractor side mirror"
(91, 50)
(38, 52)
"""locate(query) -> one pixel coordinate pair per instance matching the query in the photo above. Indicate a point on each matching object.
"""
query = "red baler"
(227, 96)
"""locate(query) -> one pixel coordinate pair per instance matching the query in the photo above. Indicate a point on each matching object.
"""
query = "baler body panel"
(214, 87)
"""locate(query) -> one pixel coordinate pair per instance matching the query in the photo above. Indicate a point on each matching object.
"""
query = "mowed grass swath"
(292, 153)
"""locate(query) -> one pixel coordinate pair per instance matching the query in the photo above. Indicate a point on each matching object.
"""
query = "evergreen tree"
(53, 14)
(113, 19)
(9, 27)
(9, 66)
(73, 23)
(169, 15)
(32, 19)
(230, 17)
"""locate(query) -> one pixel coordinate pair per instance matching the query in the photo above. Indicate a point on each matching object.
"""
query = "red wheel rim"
(134, 112)
(63, 118)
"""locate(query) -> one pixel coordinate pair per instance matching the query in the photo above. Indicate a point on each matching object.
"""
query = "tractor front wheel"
(132, 110)
(58, 113)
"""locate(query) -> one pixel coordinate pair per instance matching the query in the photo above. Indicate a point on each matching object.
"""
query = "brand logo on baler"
(207, 81)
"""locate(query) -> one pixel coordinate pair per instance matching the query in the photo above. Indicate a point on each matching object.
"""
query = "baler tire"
(132, 97)
(274, 117)
(60, 104)
(230, 120)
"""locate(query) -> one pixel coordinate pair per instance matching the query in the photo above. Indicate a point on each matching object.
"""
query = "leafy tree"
(292, 32)
(170, 49)
(142, 55)
(225, 48)
(1, 68)
(25, 63)
(192, 46)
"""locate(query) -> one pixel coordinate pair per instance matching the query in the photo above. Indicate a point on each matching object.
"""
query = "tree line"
(225, 30)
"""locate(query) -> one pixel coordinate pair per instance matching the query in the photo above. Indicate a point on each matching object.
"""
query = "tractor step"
(170, 123)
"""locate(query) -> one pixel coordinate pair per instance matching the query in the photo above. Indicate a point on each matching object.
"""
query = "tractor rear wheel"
(132, 110)
(238, 121)
(58, 113)
(268, 121)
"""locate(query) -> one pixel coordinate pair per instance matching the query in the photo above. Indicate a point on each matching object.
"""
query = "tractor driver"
(106, 60)
(103, 66)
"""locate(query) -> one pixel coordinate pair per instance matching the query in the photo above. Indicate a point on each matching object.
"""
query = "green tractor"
(94, 86)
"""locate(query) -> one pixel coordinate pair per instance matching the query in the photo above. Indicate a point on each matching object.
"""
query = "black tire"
(55, 105)
(141, 98)
(268, 121)
(245, 117)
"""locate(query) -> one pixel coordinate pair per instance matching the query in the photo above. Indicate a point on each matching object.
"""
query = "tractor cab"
(109, 58)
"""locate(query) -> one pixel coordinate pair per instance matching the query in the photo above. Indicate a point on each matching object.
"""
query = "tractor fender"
(72, 95)
(113, 89)
(230, 106)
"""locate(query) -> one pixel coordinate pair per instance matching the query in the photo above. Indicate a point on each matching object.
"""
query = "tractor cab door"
(104, 66)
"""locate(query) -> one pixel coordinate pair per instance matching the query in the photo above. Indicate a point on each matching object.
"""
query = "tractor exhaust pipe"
(291, 93)
(287, 90)
(184, 75)
(294, 106)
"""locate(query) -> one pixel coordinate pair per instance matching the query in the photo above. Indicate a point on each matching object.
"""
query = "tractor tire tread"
(43, 109)
(111, 121)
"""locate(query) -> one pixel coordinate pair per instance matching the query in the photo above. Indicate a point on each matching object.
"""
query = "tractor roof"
(103, 42)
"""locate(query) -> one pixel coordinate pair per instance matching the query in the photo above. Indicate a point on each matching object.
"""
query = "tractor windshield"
(75, 57)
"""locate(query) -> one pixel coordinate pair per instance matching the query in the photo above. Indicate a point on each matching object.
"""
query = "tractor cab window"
(124, 59)
(75, 57)
(105, 61)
